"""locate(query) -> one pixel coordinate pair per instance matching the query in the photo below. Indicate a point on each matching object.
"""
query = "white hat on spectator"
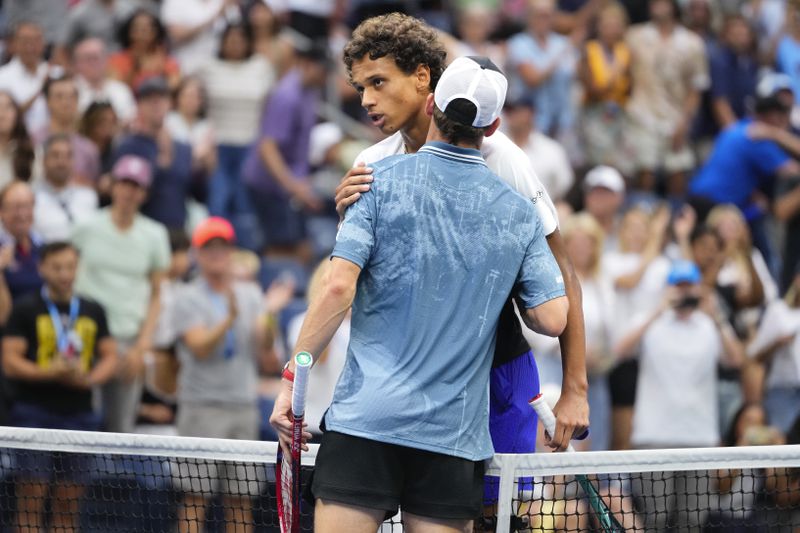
(471, 91)
(606, 177)
(323, 137)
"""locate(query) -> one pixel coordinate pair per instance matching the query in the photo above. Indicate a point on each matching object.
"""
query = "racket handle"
(302, 362)
(547, 416)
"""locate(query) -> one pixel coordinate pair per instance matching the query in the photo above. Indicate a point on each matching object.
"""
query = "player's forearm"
(573, 339)
(324, 317)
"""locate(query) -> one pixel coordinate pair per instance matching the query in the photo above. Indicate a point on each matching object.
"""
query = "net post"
(505, 494)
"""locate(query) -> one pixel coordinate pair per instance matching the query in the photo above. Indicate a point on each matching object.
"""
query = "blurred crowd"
(176, 161)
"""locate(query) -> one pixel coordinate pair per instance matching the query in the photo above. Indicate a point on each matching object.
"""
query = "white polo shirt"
(55, 212)
(502, 156)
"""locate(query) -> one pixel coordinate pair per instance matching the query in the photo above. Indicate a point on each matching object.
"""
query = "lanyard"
(62, 330)
(220, 305)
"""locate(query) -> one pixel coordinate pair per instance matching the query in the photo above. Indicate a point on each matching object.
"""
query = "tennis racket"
(287, 485)
(608, 523)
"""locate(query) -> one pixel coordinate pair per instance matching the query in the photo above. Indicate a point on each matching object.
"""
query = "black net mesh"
(59, 491)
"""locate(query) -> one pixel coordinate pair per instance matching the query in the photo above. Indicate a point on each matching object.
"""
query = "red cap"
(212, 228)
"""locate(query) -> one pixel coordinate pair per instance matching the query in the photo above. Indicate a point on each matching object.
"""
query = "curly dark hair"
(124, 31)
(455, 132)
(24, 155)
(407, 40)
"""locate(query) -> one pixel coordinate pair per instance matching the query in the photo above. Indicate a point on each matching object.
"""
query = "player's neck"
(417, 133)
(436, 136)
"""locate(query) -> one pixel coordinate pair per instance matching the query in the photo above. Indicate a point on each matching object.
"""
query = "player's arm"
(572, 408)
(324, 317)
(353, 184)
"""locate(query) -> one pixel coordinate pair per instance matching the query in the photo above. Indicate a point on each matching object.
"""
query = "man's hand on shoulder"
(572, 419)
(355, 182)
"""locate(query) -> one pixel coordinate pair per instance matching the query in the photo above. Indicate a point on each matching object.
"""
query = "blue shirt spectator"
(787, 59)
(431, 256)
(737, 167)
(542, 68)
(171, 183)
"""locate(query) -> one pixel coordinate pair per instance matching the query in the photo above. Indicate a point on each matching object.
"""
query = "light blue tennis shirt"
(442, 242)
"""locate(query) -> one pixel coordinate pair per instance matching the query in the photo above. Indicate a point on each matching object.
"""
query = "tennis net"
(54, 480)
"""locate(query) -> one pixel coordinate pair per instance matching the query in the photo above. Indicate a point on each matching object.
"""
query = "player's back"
(441, 241)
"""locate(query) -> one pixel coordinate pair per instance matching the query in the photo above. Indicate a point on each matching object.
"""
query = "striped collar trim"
(456, 153)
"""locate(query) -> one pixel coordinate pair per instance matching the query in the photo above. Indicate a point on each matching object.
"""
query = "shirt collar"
(448, 151)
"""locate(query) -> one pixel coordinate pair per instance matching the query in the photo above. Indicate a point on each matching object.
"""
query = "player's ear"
(429, 105)
(489, 131)
(423, 78)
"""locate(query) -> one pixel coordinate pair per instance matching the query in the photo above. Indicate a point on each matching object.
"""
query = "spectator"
(268, 41)
(193, 27)
(277, 167)
(61, 95)
(48, 15)
(124, 257)
(787, 52)
(56, 348)
(638, 271)
(187, 123)
(219, 322)
(776, 348)
(59, 204)
(548, 157)
(144, 52)
(475, 24)
(683, 339)
(19, 247)
(238, 82)
(99, 124)
(740, 166)
(734, 71)
(16, 148)
(574, 16)
(700, 18)
(95, 85)
(669, 70)
(170, 161)
(742, 262)
(542, 68)
(604, 72)
(604, 194)
(95, 19)
(24, 75)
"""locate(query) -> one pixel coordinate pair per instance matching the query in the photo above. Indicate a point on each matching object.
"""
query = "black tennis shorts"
(375, 475)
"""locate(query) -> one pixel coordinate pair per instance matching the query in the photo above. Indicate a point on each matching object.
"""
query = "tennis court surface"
(79, 481)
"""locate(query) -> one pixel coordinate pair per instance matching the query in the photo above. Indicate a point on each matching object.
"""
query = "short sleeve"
(697, 74)
(278, 114)
(514, 167)
(767, 157)
(161, 250)
(19, 322)
(356, 237)
(539, 278)
(518, 50)
(184, 310)
(102, 322)
(720, 79)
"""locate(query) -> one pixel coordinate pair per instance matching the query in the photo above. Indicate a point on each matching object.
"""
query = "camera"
(688, 302)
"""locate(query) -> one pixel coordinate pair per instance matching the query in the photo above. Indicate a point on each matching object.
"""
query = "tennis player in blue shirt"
(427, 259)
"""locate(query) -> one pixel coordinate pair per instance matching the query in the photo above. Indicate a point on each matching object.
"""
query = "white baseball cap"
(606, 177)
(471, 91)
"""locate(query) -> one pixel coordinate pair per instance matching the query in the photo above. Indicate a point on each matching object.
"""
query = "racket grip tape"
(546, 415)
(303, 362)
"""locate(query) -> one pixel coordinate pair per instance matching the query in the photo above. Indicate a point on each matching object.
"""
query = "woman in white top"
(237, 83)
(187, 123)
(638, 271)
